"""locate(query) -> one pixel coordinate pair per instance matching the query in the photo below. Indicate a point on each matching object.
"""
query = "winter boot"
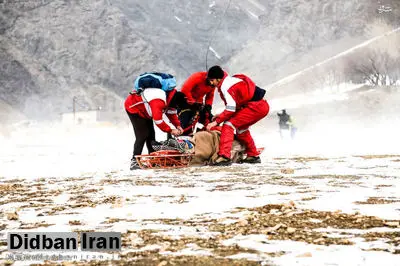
(222, 161)
(252, 159)
(134, 164)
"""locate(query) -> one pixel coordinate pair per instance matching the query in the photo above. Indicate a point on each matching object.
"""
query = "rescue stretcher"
(165, 159)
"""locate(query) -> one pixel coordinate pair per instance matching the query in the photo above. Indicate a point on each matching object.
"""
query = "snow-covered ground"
(310, 202)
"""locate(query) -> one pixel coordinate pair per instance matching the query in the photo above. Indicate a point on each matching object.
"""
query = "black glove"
(208, 115)
(208, 108)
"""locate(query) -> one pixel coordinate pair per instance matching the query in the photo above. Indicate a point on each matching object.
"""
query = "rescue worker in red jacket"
(200, 95)
(150, 106)
(244, 106)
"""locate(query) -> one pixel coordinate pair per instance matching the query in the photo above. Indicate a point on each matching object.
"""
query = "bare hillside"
(54, 50)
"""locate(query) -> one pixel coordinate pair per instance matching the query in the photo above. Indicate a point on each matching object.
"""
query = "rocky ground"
(290, 210)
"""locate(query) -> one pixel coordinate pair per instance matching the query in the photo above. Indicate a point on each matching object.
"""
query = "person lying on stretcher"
(203, 146)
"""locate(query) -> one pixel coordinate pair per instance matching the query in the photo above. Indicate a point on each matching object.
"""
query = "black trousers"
(186, 118)
(144, 133)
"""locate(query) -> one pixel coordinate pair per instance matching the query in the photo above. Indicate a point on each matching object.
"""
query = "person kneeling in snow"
(150, 106)
(244, 106)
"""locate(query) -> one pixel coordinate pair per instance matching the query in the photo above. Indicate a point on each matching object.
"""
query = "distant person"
(147, 107)
(244, 106)
(286, 124)
(293, 128)
(199, 93)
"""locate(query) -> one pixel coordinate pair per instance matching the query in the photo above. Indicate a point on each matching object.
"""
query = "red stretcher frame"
(164, 159)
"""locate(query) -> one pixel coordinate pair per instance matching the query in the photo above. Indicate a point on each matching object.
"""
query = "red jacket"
(195, 87)
(152, 104)
(235, 91)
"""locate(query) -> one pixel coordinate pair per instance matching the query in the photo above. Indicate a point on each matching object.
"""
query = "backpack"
(163, 81)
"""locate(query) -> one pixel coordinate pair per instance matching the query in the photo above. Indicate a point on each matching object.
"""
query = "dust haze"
(332, 111)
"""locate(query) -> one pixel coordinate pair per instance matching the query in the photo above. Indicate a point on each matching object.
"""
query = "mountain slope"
(297, 34)
(54, 50)
(57, 47)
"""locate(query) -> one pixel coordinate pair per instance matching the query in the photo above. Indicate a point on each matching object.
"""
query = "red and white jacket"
(195, 88)
(235, 91)
(152, 103)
